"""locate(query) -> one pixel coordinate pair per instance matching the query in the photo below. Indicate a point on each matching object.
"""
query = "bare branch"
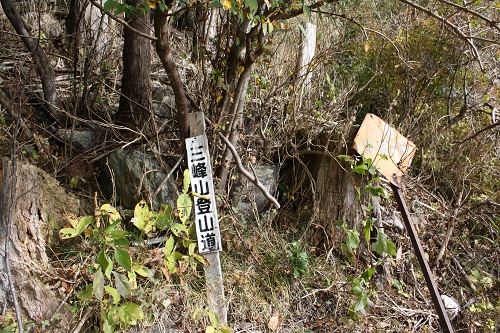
(247, 174)
(119, 20)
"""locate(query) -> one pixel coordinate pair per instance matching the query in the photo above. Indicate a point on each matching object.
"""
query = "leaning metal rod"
(444, 321)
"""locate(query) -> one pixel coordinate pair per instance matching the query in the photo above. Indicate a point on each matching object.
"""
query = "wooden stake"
(213, 272)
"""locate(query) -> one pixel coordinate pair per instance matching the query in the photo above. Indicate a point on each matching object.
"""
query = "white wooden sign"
(202, 185)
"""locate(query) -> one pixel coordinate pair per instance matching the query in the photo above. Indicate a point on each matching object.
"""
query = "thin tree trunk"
(164, 51)
(42, 64)
(136, 81)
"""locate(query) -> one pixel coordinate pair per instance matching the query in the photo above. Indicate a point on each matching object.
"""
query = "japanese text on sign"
(207, 223)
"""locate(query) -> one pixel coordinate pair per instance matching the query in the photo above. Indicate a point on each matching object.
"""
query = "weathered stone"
(79, 139)
(37, 212)
(163, 100)
(246, 197)
(136, 174)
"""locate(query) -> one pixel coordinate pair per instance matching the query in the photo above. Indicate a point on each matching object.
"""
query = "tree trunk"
(36, 207)
(336, 199)
(164, 51)
(42, 64)
(136, 83)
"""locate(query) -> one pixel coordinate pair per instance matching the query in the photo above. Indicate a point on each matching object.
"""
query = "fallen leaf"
(275, 321)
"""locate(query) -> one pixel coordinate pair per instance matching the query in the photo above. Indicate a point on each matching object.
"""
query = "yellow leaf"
(367, 47)
(152, 4)
(227, 4)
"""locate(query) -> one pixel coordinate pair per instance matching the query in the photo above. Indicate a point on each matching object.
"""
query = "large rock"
(34, 215)
(246, 197)
(136, 174)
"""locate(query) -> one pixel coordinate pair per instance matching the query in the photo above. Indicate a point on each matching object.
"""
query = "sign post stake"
(213, 271)
(391, 154)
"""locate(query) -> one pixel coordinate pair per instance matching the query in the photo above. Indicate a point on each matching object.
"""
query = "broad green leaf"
(131, 313)
(86, 294)
(346, 158)
(352, 241)
(117, 234)
(122, 257)
(391, 247)
(98, 284)
(214, 319)
(141, 270)
(114, 293)
(103, 260)
(143, 219)
(84, 223)
(307, 11)
(178, 228)
(165, 217)
(191, 248)
(384, 245)
(122, 284)
(169, 246)
(253, 5)
(121, 242)
(66, 233)
(361, 303)
(215, 4)
(108, 5)
(184, 205)
(368, 274)
(186, 182)
(360, 169)
(210, 329)
(111, 212)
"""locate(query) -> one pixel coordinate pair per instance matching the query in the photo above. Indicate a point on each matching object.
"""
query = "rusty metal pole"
(444, 321)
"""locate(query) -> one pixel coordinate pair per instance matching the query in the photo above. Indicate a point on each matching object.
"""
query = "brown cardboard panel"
(390, 151)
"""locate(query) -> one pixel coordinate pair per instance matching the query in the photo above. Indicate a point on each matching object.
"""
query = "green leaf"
(384, 245)
(122, 284)
(368, 274)
(169, 246)
(360, 169)
(114, 293)
(346, 158)
(108, 5)
(117, 234)
(130, 313)
(165, 217)
(210, 329)
(122, 257)
(361, 303)
(352, 241)
(110, 211)
(98, 284)
(121, 242)
(143, 219)
(141, 270)
(178, 229)
(66, 233)
(184, 206)
(253, 5)
(214, 319)
(84, 223)
(215, 4)
(103, 260)
(86, 294)
(186, 182)
(307, 11)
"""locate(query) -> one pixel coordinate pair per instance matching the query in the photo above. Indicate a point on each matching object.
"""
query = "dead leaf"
(275, 321)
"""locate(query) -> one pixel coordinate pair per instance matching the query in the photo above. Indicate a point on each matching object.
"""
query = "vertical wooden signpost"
(391, 154)
(205, 209)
